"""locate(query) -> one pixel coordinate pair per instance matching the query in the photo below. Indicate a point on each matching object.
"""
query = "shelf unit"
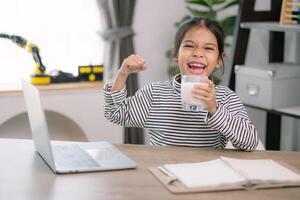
(275, 26)
(248, 19)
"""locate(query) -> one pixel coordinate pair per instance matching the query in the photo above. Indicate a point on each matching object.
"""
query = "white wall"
(155, 30)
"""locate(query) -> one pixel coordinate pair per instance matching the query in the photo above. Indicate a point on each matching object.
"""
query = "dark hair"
(211, 25)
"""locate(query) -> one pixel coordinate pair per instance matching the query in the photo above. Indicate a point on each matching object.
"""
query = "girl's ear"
(220, 61)
(174, 57)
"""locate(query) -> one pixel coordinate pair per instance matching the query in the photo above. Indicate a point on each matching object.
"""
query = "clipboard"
(176, 187)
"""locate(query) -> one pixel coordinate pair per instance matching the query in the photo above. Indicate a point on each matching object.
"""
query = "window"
(66, 32)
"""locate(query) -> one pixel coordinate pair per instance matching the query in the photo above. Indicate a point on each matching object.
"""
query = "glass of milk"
(188, 82)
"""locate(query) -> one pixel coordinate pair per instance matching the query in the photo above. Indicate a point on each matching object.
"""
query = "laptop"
(69, 157)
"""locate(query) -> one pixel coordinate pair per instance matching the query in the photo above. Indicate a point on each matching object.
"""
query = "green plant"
(209, 9)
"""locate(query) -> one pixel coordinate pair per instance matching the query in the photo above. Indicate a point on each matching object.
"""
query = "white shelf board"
(271, 26)
(290, 110)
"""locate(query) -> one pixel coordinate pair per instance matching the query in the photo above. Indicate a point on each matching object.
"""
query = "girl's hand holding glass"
(206, 94)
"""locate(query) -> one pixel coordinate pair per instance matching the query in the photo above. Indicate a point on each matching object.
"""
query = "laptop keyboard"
(69, 156)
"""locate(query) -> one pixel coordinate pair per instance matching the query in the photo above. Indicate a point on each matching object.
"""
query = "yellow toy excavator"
(39, 77)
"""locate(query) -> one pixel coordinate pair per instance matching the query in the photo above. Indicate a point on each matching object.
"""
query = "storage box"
(272, 86)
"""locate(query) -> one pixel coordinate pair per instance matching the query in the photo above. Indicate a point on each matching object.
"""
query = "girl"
(198, 50)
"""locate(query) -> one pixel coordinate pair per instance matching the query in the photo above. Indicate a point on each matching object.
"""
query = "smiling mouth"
(197, 67)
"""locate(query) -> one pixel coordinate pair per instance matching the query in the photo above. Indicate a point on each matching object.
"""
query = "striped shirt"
(157, 107)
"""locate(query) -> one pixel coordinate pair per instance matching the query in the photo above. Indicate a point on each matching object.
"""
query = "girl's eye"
(188, 46)
(209, 48)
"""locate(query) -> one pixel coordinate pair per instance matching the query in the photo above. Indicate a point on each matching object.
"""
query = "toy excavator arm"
(39, 76)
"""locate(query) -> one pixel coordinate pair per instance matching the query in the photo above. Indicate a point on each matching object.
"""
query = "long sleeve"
(232, 121)
(131, 111)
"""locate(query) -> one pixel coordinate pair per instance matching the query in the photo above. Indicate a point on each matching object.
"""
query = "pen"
(171, 177)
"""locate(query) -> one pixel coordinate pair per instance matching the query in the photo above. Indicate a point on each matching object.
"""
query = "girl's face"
(198, 53)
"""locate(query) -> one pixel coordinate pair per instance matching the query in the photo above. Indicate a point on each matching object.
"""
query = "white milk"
(186, 94)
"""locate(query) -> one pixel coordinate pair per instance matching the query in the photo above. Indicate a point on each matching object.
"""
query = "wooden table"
(24, 175)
